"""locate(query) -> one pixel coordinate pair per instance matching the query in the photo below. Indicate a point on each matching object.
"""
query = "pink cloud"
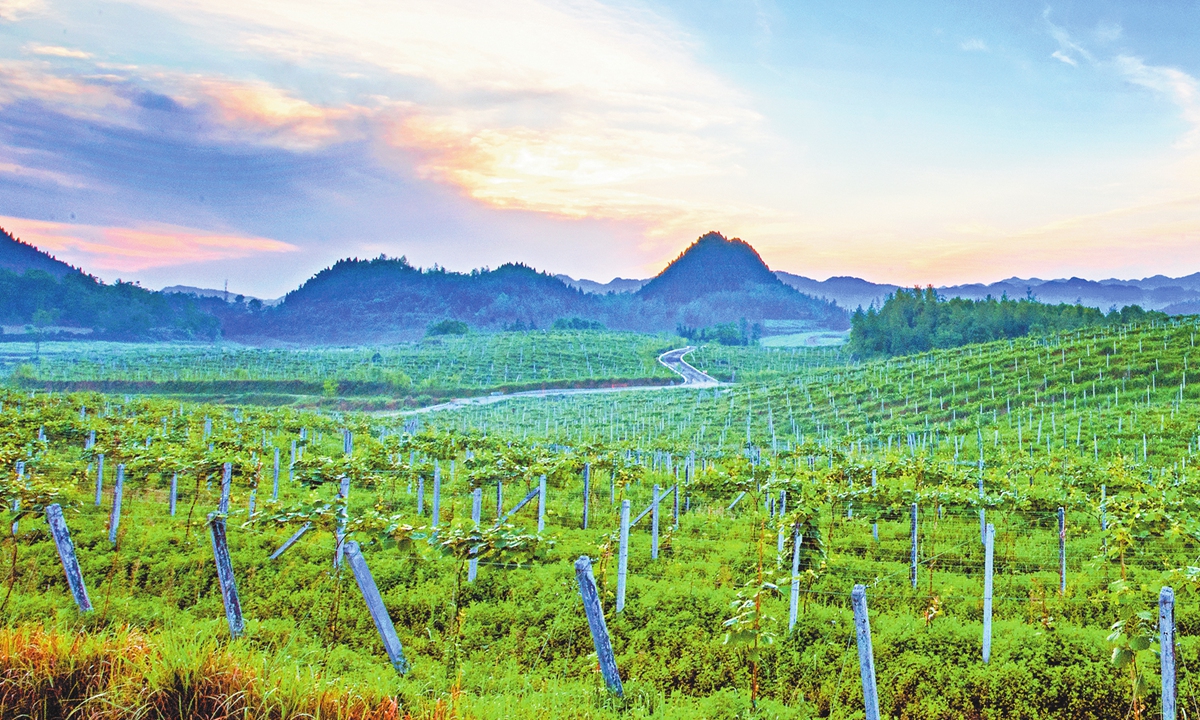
(149, 245)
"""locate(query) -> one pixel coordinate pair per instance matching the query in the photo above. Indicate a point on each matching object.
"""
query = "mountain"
(711, 264)
(225, 295)
(1170, 295)
(18, 257)
(616, 285)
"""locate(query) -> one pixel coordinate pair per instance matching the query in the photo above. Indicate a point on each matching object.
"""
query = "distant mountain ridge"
(1176, 296)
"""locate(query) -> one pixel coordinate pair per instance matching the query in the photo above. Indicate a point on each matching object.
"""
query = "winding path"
(671, 359)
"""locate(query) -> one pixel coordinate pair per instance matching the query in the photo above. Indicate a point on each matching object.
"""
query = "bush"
(448, 327)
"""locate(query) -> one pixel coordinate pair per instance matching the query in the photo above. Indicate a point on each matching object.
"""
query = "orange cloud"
(124, 249)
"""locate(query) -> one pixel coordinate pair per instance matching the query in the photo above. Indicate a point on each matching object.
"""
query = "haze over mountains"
(1175, 296)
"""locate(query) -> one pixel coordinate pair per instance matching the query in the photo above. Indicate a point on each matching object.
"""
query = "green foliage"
(913, 321)
(448, 327)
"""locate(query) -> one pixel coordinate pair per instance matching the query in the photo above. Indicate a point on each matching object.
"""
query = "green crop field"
(777, 495)
(434, 367)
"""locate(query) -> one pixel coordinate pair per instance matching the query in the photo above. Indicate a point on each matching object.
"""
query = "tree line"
(917, 320)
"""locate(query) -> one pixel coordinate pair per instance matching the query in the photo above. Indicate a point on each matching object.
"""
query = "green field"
(1102, 424)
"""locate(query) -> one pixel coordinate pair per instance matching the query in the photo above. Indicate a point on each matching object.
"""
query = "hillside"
(712, 264)
(18, 257)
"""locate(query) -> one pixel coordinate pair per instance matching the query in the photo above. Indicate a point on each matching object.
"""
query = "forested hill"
(715, 281)
(43, 297)
(914, 321)
(714, 264)
(17, 257)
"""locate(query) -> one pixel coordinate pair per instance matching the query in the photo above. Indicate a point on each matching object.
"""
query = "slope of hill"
(18, 257)
(616, 285)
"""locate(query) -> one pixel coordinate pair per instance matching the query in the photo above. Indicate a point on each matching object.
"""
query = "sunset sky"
(910, 142)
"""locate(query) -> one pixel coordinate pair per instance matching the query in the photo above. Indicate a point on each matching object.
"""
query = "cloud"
(973, 44)
(575, 110)
(132, 249)
(1178, 86)
(1057, 54)
(14, 10)
(1107, 31)
(58, 51)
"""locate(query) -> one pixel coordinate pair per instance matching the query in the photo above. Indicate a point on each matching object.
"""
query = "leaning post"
(866, 657)
(595, 617)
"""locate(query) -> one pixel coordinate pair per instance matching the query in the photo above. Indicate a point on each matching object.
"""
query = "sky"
(258, 141)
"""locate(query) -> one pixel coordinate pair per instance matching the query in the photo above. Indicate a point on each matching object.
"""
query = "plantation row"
(709, 620)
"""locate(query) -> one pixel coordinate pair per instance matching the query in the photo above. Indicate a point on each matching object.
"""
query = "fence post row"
(595, 617)
(866, 657)
(229, 593)
(66, 553)
(375, 606)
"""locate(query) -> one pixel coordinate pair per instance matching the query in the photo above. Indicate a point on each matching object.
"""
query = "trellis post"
(587, 491)
(912, 570)
(171, 500)
(114, 517)
(375, 606)
(226, 481)
(1166, 653)
(436, 508)
(476, 509)
(99, 476)
(66, 553)
(623, 556)
(794, 605)
(275, 484)
(654, 525)
(989, 544)
(541, 504)
(595, 616)
(229, 592)
(1062, 552)
(866, 657)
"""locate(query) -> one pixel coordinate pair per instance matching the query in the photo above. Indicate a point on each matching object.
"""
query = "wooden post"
(99, 476)
(1062, 552)
(623, 556)
(499, 500)
(174, 496)
(476, 509)
(1166, 654)
(229, 593)
(343, 513)
(1103, 508)
(275, 485)
(595, 617)
(421, 495)
(375, 606)
(114, 518)
(66, 553)
(541, 504)
(866, 658)
(989, 544)
(912, 571)
(587, 491)
(654, 525)
(226, 481)
(436, 509)
(794, 606)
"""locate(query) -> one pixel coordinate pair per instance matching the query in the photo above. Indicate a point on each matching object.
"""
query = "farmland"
(429, 369)
(808, 475)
